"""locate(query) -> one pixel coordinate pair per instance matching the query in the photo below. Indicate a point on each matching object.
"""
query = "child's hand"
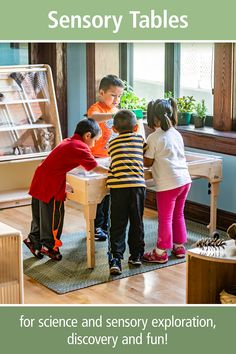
(69, 189)
(148, 162)
(100, 169)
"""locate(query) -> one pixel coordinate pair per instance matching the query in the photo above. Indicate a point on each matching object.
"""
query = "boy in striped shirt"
(127, 189)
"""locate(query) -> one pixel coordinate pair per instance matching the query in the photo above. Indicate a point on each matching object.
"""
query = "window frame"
(222, 136)
(172, 68)
(55, 55)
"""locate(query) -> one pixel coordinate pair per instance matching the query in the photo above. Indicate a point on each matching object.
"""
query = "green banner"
(117, 329)
(74, 20)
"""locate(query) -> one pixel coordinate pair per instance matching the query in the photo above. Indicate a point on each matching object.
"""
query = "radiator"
(11, 266)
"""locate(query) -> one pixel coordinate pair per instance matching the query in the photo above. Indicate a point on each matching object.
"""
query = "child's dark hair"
(163, 111)
(124, 121)
(87, 125)
(110, 80)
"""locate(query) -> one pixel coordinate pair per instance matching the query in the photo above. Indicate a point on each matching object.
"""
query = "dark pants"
(127, 204)
(102, 215)
(47, 223)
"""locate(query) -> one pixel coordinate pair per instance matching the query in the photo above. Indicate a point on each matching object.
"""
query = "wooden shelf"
(29, 128)
(209, 272)
(15, 197)
(12, 292)
(9, 283)
(7, 128)
(22, 68)
(3, 103)
(23, 157)
(11, 275)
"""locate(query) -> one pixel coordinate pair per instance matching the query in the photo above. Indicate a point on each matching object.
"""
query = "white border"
(117, 305)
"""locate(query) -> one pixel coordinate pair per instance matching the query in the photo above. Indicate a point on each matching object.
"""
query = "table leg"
(90, 215)
(213, 206)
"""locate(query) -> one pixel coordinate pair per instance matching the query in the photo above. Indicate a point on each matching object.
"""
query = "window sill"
(208, 138)
(209, 131)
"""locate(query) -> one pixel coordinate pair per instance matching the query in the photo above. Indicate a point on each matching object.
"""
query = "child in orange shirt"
(110, 91)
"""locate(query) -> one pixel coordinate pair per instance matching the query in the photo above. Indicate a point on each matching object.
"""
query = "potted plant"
(129, 100)
(200, 115)
(168, 94)
(185, 106)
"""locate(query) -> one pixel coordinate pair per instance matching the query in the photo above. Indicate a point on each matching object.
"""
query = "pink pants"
(171, 223)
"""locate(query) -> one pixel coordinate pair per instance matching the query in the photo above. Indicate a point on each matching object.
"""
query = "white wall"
(76, 84)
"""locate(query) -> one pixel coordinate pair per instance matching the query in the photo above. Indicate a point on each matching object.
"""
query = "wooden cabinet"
(29, 127)
(11, 267)
(209, 272)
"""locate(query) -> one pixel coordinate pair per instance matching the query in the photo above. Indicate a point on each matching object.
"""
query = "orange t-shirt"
(101, 147)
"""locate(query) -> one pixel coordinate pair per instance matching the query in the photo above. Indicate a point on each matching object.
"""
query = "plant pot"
(199, 122)
(184, 118)
(138, 113)
(139, 116)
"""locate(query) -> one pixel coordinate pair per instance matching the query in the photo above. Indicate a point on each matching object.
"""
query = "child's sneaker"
(136, 261)
(100, 234)
(154, 257)
(51, 253)
(115, 266)
(34, 251)
(179, 251)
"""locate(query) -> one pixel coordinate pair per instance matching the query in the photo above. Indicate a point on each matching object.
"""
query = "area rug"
(71, 273)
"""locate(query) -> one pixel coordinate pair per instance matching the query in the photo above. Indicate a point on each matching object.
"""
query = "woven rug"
(71, 273)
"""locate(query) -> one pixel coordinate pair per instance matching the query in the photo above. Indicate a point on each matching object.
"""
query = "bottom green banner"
(95, 329)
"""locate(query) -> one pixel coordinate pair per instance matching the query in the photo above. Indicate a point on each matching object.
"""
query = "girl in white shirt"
(166, 157)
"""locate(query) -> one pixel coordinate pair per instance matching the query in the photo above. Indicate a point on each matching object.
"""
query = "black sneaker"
(115, 266)
(134, 260)
(51, 253)
(105, 229)
(33, 250)
(99, 234)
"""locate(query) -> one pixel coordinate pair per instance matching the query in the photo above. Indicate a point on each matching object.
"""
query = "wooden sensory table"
(90, 189)
(209, 271)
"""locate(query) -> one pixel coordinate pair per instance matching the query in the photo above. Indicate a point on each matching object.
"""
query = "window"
(13, 53)
(149, 69)
(192, 69)
(186, 70)
(196, 72)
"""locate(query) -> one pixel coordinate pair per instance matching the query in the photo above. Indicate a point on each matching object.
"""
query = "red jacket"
(50, 177)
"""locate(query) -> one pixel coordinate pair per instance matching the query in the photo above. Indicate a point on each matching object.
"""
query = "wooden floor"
(163, 286)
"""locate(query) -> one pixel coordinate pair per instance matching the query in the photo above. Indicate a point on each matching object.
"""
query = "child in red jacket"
(48, 188)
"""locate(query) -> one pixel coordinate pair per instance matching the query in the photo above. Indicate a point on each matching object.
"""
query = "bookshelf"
(29, 127)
